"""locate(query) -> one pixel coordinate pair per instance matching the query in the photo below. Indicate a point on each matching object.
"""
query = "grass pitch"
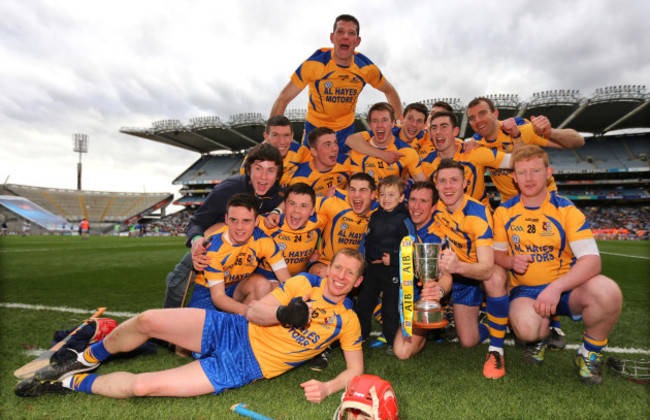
(128, 275)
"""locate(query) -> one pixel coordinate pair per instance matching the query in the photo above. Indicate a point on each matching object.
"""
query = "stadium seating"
(96, 206)
(210, 169)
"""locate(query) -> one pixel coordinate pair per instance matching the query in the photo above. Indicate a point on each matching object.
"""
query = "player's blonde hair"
(528, 152)
(353, 253)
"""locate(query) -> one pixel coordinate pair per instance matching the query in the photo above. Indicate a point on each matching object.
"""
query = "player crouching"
(547, 245)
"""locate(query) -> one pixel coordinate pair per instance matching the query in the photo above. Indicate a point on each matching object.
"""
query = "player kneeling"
(547, 245)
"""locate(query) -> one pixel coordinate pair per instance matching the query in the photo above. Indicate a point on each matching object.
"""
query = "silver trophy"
(428, 313)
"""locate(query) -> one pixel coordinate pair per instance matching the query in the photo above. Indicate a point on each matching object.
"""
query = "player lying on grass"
(547, 245)
(288, 326)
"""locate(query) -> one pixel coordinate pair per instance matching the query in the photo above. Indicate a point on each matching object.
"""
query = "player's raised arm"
(562, 138)
(287, 95)
(393, 99)
(359, 144)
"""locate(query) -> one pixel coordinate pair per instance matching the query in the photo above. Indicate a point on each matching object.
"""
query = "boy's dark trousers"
(378, 278)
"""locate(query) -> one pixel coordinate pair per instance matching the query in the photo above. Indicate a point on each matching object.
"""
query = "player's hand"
(541, 126)
(431, 291)
(315, 391)
(546, 302)
(509, 126)
(386, 258)
(199, 258)
(271, 220)
(471, 145)
(449, 261)
(331, 191)
(390, 156)
(520, 263)
(314, 256)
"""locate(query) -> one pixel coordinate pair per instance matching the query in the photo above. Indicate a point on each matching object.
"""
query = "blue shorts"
(226, 354)
(201, 297)
(341, 136)
(532, 292)
(467, 292)
(270, 275)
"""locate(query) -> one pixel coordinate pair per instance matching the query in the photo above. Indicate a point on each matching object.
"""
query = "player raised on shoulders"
(335, 77)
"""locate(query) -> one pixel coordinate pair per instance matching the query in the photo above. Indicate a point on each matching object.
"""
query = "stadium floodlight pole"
(80, 146)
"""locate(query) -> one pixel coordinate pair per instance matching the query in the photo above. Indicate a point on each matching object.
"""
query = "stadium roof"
(608, 109)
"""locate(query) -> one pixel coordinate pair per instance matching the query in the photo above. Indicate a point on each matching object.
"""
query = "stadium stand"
(102, 209)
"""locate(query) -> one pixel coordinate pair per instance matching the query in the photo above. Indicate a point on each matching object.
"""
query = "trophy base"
(430, 318)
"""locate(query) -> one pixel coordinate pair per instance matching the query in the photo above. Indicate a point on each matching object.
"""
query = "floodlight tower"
(80, 146)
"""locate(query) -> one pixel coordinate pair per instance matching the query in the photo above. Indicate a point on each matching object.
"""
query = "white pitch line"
(511, 343)
(64, 309)
(624, 255)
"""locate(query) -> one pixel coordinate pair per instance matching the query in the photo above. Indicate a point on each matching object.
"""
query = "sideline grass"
(444, 381)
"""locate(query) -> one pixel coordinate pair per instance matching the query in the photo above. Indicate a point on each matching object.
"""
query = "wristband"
(277, 210)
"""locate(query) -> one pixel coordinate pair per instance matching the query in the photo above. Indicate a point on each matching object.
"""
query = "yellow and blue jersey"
(333, 89)
(502, 178)
(278, 348)
(474, 163)
(545, 233)
(344, 228)
(467, 228)
(378, 169)
(229, 264)
(321, 181)
(430, 233)
(296, 245)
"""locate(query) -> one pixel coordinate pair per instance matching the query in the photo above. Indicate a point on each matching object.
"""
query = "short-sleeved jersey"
(333, 89)
(344, 229)
(322, 181)
(378, 169)
(420, 142)
(229, 264)
(296, 245)
(545, 233)
(278, 348)
(502, 178)
(296, 155)
(474, 163)
(467, 228)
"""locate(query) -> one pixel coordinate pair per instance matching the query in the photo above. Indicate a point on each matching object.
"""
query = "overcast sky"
(94, 66)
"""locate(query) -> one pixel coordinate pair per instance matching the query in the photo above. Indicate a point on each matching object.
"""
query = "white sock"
(497, 349)
(82, 360)
(67, 382)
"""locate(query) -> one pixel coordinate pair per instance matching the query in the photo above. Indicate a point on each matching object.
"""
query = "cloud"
(89, 67)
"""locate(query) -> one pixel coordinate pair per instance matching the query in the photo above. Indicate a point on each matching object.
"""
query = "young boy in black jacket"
(387, 226)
